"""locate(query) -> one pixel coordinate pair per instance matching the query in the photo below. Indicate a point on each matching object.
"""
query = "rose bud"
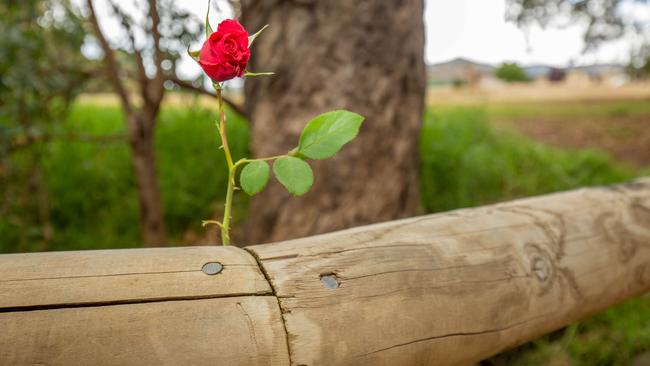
(225, 53)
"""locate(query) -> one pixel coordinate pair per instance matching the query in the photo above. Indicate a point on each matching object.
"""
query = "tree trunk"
(365, 56)
(141, 139)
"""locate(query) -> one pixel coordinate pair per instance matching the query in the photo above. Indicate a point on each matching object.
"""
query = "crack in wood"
(251, 326)
(274, 292)
(98, 275)
(419, 270)
(456, 334)
(12, 309)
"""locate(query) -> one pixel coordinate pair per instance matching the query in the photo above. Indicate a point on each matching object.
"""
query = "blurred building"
(458, 72)
(464, 72)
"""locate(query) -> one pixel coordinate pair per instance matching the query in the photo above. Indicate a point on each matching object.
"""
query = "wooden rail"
(446, 289)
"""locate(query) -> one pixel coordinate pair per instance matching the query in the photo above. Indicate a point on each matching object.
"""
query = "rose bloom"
(225, 53)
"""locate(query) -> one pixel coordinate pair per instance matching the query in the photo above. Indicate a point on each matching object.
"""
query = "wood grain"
(227, 331)
(59, 279)
(458, 287)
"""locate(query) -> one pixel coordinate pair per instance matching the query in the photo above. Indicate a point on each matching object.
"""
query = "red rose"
(225, 53)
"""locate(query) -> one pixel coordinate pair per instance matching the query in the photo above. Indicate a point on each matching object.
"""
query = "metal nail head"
(212, 268)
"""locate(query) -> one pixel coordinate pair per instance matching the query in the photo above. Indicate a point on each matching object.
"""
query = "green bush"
(511, 72)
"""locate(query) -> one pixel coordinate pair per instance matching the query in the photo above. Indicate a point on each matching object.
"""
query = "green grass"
(465, 162)
(606, 109)
(91, 190)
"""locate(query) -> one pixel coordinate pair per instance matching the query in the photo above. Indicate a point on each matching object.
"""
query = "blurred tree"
(153, 36)
(511, 72)
(639, 66)
(366, 56)
(41, 66)
(603, 19)
(41, 71)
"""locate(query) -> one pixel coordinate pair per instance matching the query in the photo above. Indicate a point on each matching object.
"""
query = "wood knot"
(541, 268)
(541, 265)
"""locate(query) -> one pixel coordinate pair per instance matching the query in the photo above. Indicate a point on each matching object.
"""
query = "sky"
(474, 29)
(477, 29)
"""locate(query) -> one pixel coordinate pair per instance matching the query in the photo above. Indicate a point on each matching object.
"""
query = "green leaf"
(294, 174)
(251, 39)
(208, 28)
(326, 134)
(254, 177)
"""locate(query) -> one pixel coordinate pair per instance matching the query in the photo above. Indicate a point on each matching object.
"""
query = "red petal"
(231, 26)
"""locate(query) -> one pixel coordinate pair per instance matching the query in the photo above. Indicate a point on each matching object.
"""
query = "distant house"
(555, 75)
(461, 71)
(610, 74)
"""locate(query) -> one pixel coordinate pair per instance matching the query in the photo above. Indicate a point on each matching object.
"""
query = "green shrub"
(511, 72)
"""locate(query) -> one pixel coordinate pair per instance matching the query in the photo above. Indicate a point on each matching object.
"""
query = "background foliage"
(511, 72)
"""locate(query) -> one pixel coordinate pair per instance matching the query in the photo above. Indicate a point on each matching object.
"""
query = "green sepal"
(251, 39)
(251, 74)
(194, 54)
(208, 28)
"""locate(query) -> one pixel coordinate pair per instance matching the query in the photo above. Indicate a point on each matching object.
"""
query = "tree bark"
(152, 220)
(365, 56)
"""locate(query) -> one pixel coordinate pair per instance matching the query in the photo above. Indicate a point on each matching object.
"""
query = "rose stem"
(225, 224)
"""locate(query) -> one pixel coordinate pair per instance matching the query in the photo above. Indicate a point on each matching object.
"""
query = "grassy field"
(612, 119)
(466, 162)
(90, 187)
(470, 155)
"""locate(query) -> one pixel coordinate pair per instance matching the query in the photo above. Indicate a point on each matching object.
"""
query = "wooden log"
(138, 307)
(447, 289)
(127, 275)
(455, 288)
